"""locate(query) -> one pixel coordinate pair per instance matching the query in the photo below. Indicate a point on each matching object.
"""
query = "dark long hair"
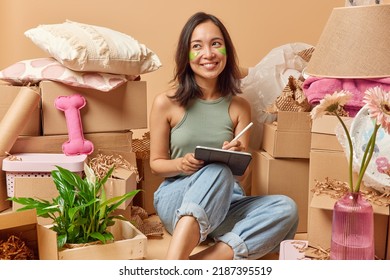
(187, 88)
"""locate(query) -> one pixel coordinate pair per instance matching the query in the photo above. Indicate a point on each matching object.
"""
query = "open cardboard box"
(327, 164)
(123, 180)
(129, 242)
(23, 225)
(289, 137)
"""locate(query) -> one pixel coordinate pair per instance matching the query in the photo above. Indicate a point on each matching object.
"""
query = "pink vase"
(352, 229)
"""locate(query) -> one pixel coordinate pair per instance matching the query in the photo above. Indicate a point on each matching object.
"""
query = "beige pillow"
(83, 47)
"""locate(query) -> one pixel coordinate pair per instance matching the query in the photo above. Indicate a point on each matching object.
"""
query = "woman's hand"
(189, 164)
(233, 146)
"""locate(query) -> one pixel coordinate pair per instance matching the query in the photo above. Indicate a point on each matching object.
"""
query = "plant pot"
(352, 229)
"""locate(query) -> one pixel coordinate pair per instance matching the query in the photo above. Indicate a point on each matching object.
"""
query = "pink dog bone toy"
(71, 105)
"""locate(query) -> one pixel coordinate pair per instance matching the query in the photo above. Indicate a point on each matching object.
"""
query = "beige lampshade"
(355, 43)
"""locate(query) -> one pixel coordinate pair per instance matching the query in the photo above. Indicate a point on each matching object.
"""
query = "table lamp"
(355, 43)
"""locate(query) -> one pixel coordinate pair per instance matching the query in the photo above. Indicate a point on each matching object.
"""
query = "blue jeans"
(252, 226)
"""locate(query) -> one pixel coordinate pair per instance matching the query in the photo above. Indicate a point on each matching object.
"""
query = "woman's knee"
(217, 171)
(218, 167)
(289, 207)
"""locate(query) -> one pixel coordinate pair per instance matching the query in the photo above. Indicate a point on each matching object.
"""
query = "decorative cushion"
(83, 47)
(35, 70)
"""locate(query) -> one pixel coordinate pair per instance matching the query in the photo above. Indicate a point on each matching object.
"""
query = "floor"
(157, 247)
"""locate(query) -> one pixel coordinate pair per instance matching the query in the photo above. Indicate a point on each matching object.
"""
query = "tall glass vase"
(352, 229)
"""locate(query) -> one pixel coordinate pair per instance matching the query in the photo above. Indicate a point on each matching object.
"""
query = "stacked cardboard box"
(282, 164)
(107, 120)
(328, 161)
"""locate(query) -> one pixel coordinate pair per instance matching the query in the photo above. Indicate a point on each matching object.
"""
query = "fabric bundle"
(315, 88)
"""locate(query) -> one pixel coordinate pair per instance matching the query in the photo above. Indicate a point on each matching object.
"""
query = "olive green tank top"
(205, 123)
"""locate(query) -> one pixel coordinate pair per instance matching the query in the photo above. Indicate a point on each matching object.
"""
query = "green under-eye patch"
(193, 55)
(222, 51)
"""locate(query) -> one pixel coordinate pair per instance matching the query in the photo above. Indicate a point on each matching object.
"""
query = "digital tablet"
(237, 161)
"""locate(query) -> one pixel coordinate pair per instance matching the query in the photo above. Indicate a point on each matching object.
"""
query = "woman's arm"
(161, 118)
(240, 113)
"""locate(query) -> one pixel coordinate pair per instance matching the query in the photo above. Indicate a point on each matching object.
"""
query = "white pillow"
(83, 47)
(35, 70)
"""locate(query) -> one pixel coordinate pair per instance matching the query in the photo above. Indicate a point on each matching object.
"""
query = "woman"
(197, 201)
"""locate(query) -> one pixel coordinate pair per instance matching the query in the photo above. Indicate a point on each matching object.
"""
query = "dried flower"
(378, 104)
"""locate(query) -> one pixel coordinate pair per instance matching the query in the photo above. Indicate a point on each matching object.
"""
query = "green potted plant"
(81, 213)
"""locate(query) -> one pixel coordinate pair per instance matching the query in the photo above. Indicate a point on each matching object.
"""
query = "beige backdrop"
(256, 26)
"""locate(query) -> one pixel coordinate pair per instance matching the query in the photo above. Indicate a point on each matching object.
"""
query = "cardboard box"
(124, 180)
(282, 176)
(290, 137)
(129, 243)
(121, 109)
(23, 225)
(323, 133)
(53, 143)
(327, 164)
(148, 183)
(320, 224)
(8, 94)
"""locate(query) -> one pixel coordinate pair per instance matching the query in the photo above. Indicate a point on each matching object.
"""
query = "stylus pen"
(242, 132)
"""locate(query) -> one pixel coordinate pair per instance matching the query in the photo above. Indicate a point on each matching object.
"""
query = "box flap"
(121, 173)
(327, 202)
(322, 202)
(47, 243)
(16, 219)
